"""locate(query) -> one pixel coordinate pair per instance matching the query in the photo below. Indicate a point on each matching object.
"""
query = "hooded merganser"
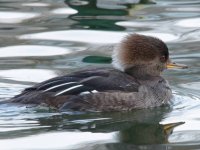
(133, 83)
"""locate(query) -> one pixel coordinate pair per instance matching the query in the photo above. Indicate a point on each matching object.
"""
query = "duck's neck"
(142, 72)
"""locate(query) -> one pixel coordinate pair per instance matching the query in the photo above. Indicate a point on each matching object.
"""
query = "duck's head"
(142, 55)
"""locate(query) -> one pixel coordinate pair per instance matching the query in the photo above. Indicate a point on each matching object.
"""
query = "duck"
(133, 82)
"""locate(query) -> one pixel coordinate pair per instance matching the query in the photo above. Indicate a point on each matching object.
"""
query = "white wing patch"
(94, 91)
(58, 86)
(88, 92)
(46, 84)
(66, 90)
(72, 88)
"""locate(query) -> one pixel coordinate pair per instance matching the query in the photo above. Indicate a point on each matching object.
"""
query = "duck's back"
(81, 90)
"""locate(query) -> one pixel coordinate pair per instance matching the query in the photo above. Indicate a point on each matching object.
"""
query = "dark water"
(40, 39)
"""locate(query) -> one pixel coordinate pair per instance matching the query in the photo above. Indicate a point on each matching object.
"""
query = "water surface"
(41, 39)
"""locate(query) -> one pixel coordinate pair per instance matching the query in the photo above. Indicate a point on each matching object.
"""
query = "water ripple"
(32, 50)
(30, 75)
(16, 17)
(102, 37)
(189, 23)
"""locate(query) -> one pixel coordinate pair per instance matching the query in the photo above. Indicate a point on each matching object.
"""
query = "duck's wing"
(98, 80)
(79, 83)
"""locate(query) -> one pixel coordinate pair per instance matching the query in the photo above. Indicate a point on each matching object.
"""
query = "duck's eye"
(163, 59)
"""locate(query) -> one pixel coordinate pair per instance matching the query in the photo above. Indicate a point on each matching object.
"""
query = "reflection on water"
(32, 50)
(37, 142)
(42, 39)
(86, 36)
(31, 75)
(15, 17)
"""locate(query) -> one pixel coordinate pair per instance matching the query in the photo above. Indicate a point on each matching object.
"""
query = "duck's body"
(134, 83)
(102, 89)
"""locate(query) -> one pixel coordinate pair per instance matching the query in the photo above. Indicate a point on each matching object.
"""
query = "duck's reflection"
(90, 16)
(144, 133)
(110, 130)
(139, 127)
(102, 14)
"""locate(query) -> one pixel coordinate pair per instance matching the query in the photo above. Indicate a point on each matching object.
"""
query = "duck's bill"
(176, 66)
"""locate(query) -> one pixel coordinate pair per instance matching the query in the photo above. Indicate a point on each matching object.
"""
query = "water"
(41, 39)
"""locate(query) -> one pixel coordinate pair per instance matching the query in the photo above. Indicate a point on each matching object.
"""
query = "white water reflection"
(184, 110)
(57, 140)
(56, 17)
(32, 50)
(187, 9)
(35, 4)
(189, 23)
(86, 36)
(64, 11)
(16, 17)
(91, 36)
(136, 24)
(191, 137)
(31, 75)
